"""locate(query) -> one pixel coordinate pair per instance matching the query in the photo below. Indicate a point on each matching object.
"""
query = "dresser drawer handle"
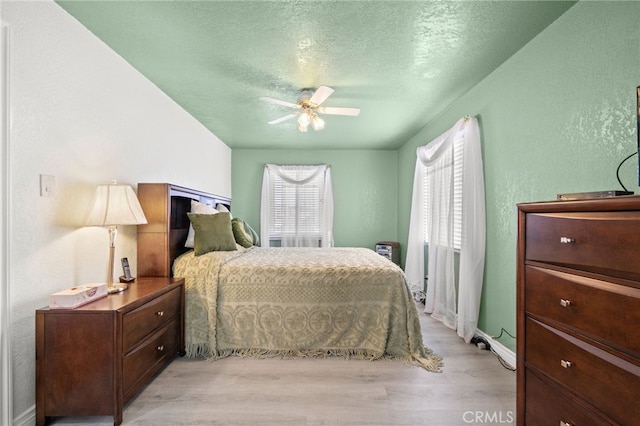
(565, 423)
(565, 303)
(160, 348)
(160, 313)
(567, 240)
(566, 364)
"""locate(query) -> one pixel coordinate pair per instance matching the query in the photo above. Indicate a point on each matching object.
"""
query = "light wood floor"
(474, 388)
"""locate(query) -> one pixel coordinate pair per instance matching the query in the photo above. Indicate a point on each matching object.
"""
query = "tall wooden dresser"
(578, 312)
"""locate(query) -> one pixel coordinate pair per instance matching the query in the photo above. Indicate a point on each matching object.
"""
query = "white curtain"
(307, 232)
(458, 310)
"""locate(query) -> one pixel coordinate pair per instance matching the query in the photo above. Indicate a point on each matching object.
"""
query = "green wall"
(364, 190)
(557, 117)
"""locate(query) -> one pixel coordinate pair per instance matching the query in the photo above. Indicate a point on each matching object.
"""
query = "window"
(297, 206)
(448, 213)
(452, 163)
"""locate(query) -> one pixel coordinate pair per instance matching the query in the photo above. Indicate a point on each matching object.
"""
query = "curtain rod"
(328, 166)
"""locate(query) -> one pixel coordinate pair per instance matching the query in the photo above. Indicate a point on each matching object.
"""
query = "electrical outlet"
(47, 185)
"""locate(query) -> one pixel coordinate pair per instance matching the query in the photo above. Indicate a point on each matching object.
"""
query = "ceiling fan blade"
(281, 119)
(339, 111)
(320, 95)
(279, 102)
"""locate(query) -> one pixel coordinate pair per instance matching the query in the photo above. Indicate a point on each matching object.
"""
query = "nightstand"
(92, 360)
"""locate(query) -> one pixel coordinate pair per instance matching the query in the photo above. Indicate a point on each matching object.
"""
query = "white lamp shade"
(115, 205)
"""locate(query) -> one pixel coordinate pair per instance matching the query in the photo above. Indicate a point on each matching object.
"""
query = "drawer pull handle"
(567, 240)
(160, 313)
(565, 423)
(566, 364)
(565, 303)
(160, 348)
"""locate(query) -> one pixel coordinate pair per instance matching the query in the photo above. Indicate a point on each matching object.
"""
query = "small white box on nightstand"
(77, 296)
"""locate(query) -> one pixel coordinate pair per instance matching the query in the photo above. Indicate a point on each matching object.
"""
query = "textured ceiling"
(400, 62)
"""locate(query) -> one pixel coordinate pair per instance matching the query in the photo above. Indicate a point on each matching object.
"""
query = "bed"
(287, 302)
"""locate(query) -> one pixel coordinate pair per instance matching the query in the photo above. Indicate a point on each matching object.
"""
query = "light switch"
(47, 185)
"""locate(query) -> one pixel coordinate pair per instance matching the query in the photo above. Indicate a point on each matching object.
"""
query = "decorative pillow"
(212, 233)
(222, 208)
(254, 234)
(199, 208)
(240, 233)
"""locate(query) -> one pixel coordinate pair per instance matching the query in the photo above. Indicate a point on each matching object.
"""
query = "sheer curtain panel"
(297, 206)
(448, 216)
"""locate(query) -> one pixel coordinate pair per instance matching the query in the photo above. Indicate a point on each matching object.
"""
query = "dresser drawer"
(601, 242)
(547, 405)
(140, 322)
(147, 358)
(605, 381)
(585, 304)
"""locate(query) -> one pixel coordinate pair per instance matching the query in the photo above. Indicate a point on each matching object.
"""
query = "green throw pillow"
(240, 233)
(254, 234)
(212, 232)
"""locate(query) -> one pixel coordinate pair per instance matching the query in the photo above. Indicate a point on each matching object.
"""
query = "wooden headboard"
(162, 239)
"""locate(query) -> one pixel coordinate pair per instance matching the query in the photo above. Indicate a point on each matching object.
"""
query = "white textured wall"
(81, 113)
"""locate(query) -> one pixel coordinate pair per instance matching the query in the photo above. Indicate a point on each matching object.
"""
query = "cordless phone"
(126, 270)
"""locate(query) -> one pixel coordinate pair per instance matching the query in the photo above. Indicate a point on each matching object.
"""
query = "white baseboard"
(505, 353)
(27, 418)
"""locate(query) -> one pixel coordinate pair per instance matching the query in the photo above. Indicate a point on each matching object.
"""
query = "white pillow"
(197, 207)
(222, 209)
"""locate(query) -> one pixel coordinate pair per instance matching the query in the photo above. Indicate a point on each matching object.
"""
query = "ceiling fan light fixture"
(316, 122)
(309, 107)
(304, 119)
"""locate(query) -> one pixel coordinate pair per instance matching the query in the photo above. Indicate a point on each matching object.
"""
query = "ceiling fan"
(308, 107)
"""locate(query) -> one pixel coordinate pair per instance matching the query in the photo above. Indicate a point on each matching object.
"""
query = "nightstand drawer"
(140, 322)
(600, 378)
(601, 242)
(144, 360)
(581, 303)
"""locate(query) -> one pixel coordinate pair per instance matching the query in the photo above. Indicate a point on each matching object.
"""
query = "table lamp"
(115, 205)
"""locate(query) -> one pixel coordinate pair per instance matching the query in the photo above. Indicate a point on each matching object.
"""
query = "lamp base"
(117, 288)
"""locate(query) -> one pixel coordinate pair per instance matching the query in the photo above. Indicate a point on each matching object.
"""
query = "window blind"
(451, 162)
(296, 209)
